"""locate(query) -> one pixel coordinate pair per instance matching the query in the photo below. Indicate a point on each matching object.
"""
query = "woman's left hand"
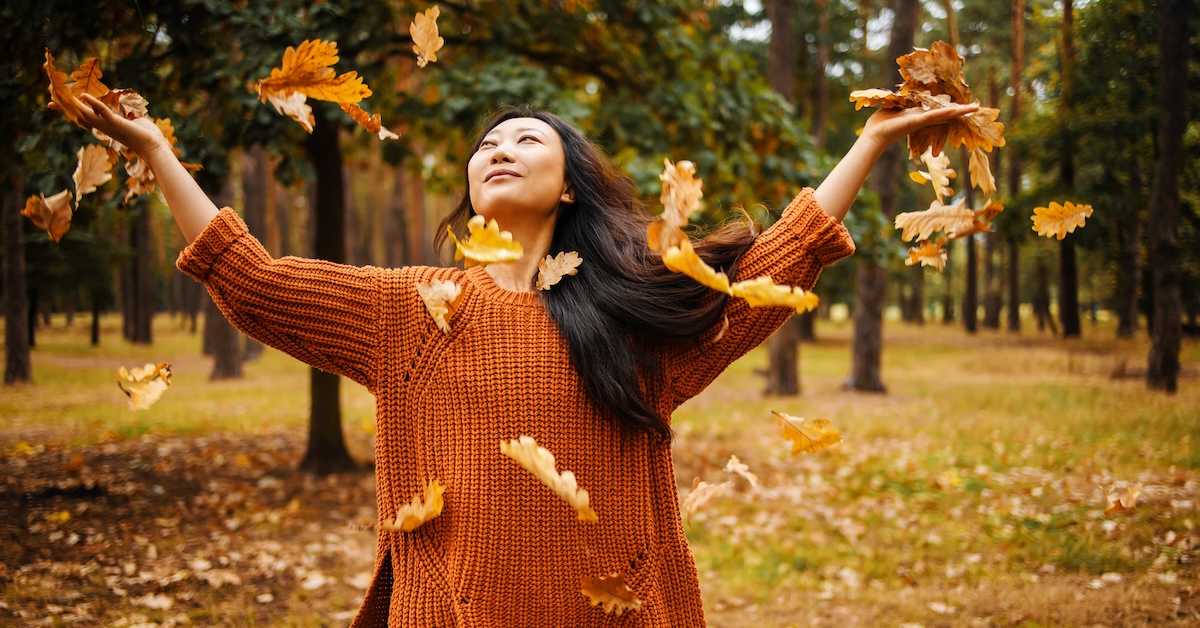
(889, 125)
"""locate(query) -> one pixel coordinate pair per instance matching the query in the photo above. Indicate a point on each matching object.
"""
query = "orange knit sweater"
(505, 551)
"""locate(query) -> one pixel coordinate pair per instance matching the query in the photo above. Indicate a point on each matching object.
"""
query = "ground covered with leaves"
(973, 493)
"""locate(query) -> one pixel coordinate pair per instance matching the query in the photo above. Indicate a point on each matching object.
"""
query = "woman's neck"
(535, 241)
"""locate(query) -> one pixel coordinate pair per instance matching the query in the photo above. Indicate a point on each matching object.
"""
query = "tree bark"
(948, 283)
(820, 109)
(327, 451)
(223, 341)
(783, 351)
(1014, 285)
(1016, 70)
(256, 182)
(18, 366)
(1166, 329)
(1068, 284)
(142, 278)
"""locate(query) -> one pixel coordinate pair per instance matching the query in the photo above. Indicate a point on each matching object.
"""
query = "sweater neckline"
(478, 276)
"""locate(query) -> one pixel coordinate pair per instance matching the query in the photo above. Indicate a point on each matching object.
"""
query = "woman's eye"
(528, 137)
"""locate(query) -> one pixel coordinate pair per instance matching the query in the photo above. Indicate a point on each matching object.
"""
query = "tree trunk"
(256, 182)
(1014, 285)
(948, 282)
(1068, 284)
(223, 341)
(327, 451)
(17, 364)
(395, 223)
(783, 350)
(1166, 329)
(871, 281)
(1016, 70)
(991, 281)
(1130, 268)
(1041, 298)
(820, 109)
(96, 311)
(142, 278)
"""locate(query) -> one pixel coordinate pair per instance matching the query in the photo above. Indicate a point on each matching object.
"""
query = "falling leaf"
(738, 467)
(1121, 503)
(305, 70)
(701, 494)
(661, 235)
(370, 122)
(52, 214)
(681, 192)
(981, 173)
(611, 593)
(762, 291)
(144, 385)
(540, 462)
(485, 243)
(61, 96)
(293, 105)
(86, 80)
(424, 32)
(945, 218)
(441, 299)
(937, 70)
(1059, 220)
(412, 515)
(551, 270)
(928, 254)
(683, 259)
(938, 172)
(807, 436)
(880, 98)
(94, 170)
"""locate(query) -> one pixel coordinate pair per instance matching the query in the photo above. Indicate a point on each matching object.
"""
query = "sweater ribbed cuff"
(223, 232)
(827, 239)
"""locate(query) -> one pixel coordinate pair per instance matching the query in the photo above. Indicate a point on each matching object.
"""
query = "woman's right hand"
(141, 135)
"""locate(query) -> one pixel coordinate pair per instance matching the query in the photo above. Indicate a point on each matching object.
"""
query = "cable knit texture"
(505, 551)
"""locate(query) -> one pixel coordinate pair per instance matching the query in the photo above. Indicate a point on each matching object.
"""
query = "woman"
(591, 369)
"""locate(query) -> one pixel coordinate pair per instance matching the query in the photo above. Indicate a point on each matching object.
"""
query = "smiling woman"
(590, 370)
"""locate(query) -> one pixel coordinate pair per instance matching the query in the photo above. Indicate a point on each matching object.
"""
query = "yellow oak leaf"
(94, 170)
(86, 80)
(762, 291)
(412, 515)
(424, 32)
(737, 467)
(305, 70)
(51, 214)
(946, 218)
(441, 299)
(879, 98)
(611, 593)
(927, 254)
(540, 462)
(370, 122)
(61, 96)
(981, 173)
(485, 243)
(807, 436)
(681, 192)
(701, 494)
(144, 385)
(1121, 503)
(683, 259)
(552, 269)
(1059, 220)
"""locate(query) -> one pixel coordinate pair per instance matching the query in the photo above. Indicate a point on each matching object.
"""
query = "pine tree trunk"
(948, 282)
(1163, 369)
(17, 363)
(142, 279)
(1014, 285)
(991, 281)
(223, 341)
(1068, 271)
(783, 351)
(1130, 268)
(820, 109)
(256, 181)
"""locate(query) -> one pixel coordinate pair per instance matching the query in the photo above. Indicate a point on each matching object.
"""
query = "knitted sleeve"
(321, 313)
(792, 252)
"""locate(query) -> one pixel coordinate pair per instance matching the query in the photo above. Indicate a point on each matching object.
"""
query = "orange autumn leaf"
(701, 494)
(441, 299)
(944, 218)
(661, 236)
(937, 70)
(611, 593)
(94, 170)
(807, 436)
(126, 103)
(61, 96)
(144, 385)
(424, 32)
(485, 243)
(875, 97)
(417, 512)
(1121, 503)
(927, 254)
(305, 73)
(370, 122)
(762, 291)
(86, 80)
(540, 462)
(681, 192)
(51, 214)
(552, 269)
(683, 259)
(981, 173)
(1059, 220)
(938, 172)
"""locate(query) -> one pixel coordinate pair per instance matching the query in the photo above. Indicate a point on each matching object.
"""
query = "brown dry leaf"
(86, 80)
(875, 97)
(94, 170)
(1059, 220)
(485, 244)
(540, 462)
(681, 192)
(141, 178)
(1121, 503)
(305, 72)
(293, 105)
(144, 385)
(937, 70)
(662, 236)
(52, 214)
(126, 103)
(928, 254)
(738, 467)
(990, 211)
(611, 593)
(981, 173)
(945, 218)
(701, 494)
(412, 515)
(424, 32)
(551, 270)
(937, 171)
(762, 291)
(370, 122)
(441, 299)
(61, 96)
(807, 436)
(683, 259)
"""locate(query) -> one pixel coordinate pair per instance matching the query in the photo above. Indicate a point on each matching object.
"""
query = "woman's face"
(518, 172)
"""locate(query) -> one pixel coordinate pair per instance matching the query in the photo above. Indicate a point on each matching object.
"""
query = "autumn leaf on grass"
(807, 436)
(52, 214)
(937, 70)
(762, 291)
(681, 192)
(540, 462)
(937, 171)
(701, 494)
(144, 385)
(441, 299)
(485, 243)
(94, 170)
(1059, 220)
(1121, 503)
(424, 32)
(944, 218)
(927, 254)
(611, 593)
(410, 516)
(370, 122)
(981, 173)
(551, 270)
(738, 467)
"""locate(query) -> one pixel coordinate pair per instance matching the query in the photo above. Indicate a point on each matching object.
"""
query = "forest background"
(753, 93)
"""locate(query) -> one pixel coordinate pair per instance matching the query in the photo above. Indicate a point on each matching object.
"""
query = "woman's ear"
(568, 195)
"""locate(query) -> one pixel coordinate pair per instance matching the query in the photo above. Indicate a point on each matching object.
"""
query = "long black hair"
(624, 301)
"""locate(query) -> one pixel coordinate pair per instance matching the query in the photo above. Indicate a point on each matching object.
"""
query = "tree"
(17, 365)
(1068, 272)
